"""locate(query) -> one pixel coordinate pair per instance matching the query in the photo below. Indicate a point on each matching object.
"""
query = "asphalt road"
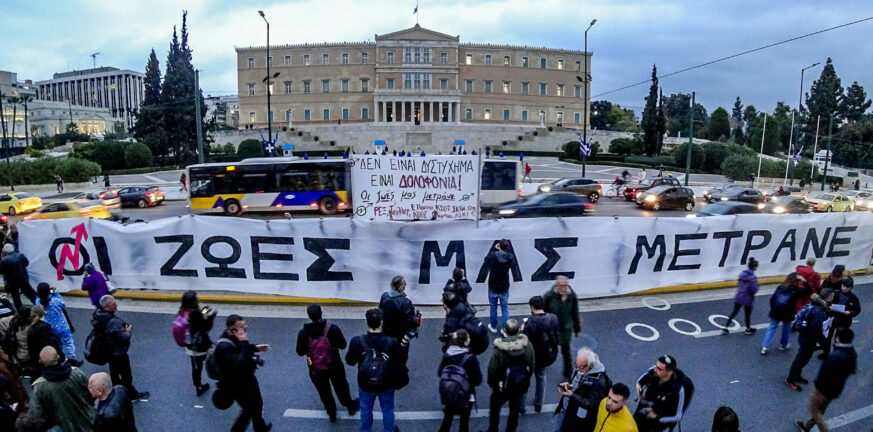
(726, 369)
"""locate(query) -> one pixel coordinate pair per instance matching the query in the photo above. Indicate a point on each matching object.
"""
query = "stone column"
(457, 112)
(402, 111)
(432, 105)
(376, 111)
(440, 110)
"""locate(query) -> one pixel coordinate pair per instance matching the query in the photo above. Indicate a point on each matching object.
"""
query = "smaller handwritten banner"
(415, 188)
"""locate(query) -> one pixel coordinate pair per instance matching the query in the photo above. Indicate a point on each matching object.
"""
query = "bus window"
(207, 184)
(499, 175)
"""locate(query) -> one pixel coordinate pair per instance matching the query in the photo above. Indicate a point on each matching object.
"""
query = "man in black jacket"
(13, 266)
(851, 306)
(325, 367)
(810, 337)
(661, 395)
(117, 333)
(114, 412)
(399, 313)
(499, 263)
(456, 311)
(581, 396)
(541, 329)
(237, 361)
(831, 380)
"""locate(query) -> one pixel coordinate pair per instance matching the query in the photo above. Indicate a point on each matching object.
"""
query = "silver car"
(110, 198)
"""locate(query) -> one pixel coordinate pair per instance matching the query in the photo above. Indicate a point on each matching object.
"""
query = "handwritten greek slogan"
(415, 188)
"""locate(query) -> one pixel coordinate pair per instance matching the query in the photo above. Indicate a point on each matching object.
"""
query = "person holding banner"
(499, 262)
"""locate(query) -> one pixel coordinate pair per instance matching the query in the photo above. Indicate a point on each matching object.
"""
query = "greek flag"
(584, 148)
(416, 9)
(796, 157)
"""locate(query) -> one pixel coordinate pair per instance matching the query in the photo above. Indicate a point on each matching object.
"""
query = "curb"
(300, 301)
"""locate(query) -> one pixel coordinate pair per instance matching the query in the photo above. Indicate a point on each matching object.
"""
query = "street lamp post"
(799, 103)
(269, 82)
(586, 79)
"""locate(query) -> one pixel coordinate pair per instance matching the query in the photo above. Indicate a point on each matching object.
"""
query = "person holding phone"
(237, 362)
(117, 333)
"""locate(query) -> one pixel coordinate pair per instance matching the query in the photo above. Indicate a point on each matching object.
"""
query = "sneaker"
(141, 396)
(74, 363)
(764, 351)
(725, 330)
(491, 328)
(503, 332)
(750, 331)
(331, 417)
(202, 389)
(269, 426)
(793, 386)
(785, 347)
(802, 380)
(538, 408)
(801, 426)
(354, 407)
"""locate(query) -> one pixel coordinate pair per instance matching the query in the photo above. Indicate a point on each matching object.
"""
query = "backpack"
(181, 329)
(455, 388)
(97, 347)
(517, 379)
(9, 341)
(373, 371)
(213, 371)
(782, 299)
(320, 355)
(799, 324)
(479, 338)
(550, 346)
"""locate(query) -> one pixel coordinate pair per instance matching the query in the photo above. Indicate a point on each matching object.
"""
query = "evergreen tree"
(719, 126)
(824, 97)
(149, 120)
(781, 121)
(676, 110)
(649, 122)
(771, 136)
(737, 112)
(854, 103)
(662, 121)
(750, 117)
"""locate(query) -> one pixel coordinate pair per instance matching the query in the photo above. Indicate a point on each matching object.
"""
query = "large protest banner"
(353, 259)
(415, 188)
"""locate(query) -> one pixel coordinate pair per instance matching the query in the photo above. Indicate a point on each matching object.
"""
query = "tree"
(771, 136)
(737, 112)
(109, 155)
(138, 155)
(824, 97)
(620, 119)
(250, 148)
(626, 146)
(599, 114)
(149, 120)
(750, 117)
(781, 120)
(854, 103)
(71, 128)
(719, 126)
(649, 123)
(676, 110)
(853, 144)
(698, 155)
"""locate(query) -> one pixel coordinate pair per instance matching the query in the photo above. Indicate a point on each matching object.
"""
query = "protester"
(541, 329)
(459, 285)
(509, 372)
(321, 342)
(95, 284)
(459, 374)
(8, 414)
(662, 395)
(844, 309)
(12, 236)
(15, 346)
(117, 333)
(561, 300)
(810, 335)
(379, 357)
(183, 179)
(613, 415)
(834, 280)
(782, 311)
(642, 175)
(60, 395)
(39, 336)
(399, 316)
(581, 396)
(114, 412)
(808, 272)
(56, 316)
(456, 312)
(747, 287)
(237, 360)
(725, 420)
(17, 395)
(198, 341)
(831, 380)
(13, 266)
(499, 262)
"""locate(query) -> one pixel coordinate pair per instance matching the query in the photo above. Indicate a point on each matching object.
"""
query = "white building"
(224, 109)
(48, 118)
(13, 115)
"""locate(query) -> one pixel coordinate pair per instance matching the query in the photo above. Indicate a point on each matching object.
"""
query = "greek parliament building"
(412, 77)
(119, 91)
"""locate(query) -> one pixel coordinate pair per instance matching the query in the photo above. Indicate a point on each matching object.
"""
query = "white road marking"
(735, 381)
(851, 417)
(630, 330)
(733, 330)
(734, 325)
(672, 323)
(647, 303)
(405, 415)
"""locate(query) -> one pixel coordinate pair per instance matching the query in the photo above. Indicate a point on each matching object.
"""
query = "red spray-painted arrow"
(73, 255)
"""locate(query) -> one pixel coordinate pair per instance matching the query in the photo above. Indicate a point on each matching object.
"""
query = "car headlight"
(691, 216)
(779, 210)
(760, 206)
(724, 198)
(506, 212)
(650, 198)
(546, 188)
(859, 202)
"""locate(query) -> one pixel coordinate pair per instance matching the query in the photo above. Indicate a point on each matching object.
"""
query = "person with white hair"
(114, 411)
(117, 335)
(13, 266)
(581, 395)
(60, 395)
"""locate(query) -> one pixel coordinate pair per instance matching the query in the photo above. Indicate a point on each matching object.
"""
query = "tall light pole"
(799, 104)
(269, 82)
(586, 78)
(690, 139)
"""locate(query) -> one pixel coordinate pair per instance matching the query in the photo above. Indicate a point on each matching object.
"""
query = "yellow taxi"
(72, 209)
(19, 202)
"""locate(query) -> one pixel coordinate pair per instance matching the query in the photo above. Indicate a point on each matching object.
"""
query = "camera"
(258, 360)
(413, 332)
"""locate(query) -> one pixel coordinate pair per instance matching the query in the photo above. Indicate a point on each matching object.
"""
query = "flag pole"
(814, 149)
(790, 148)
(761, 154)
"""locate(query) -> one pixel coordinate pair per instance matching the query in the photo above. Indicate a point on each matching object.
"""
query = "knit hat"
(8, 248)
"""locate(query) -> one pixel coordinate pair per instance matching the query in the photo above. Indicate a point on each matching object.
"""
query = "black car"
(561, 204)
(738, 193)
(631, 191)
(664, 197)
(727, 208)
(788, 204)
(141, 196)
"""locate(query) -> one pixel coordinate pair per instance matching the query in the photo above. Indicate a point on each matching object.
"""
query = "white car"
(110, 198)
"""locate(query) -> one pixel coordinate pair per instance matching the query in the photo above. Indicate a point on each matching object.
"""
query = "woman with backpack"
(459, 374)
(747, 287)
(56, 316)
(194, 337)
(458, 284)
(782, 311)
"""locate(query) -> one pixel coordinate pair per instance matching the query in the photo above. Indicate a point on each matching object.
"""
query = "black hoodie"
(113, 328)
(499, 263)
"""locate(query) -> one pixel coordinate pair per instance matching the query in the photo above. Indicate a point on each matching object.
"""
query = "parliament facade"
(413, 76)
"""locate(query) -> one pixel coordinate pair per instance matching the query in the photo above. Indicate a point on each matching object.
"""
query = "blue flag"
(584, 148)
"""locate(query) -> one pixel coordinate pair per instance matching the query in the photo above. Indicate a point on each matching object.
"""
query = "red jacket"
(813, 280)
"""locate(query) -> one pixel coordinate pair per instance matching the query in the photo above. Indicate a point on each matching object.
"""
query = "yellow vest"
(622, 421)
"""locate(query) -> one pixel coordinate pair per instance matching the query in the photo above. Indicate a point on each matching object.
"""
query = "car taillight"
(313, 205)
(103, 195)
(519, 193)
(4, 218)
(342, 204)
(148, 194)
(84, 212)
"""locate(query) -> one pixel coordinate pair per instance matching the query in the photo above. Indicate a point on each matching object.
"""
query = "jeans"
(771, 331)
(503, 298)
(386, 402)
(68, 346)
(746, 309)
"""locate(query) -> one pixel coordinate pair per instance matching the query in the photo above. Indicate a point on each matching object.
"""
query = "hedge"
(698, 155)
(250, 148)
(651, 161)
(144, 170)
(43, 170)
(138, 155)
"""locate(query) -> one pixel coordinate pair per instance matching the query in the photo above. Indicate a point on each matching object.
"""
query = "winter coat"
(115, 414)
(96, 286)
(812, 277)
(853, 306)
(61, 397)
(505, 349)
(461, 291)
(499, 264)
(54, 315)
(13, 385)
(199, 326)
(667, 399)
(113, 327)
(788, 297)
(747, 286)
(815, 319)
(567, 313)
(829, 282)
(360, 345)
(314, 330)
(7, 416)
(539, 328)
(835, 369)
(236, 363)
(622, 421)
(453, 356)
(399, 314)
(804, 292)
(589, 389)
(39, 336)
(22, 355)
(14, 269)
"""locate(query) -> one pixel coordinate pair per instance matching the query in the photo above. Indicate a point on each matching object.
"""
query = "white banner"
(355, 260)
(415, 188)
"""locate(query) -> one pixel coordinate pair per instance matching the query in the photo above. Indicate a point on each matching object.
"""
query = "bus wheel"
(327, 205)
(232, 208)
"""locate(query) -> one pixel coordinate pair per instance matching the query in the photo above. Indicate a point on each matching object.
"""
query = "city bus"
(269, 184)
(501, 182)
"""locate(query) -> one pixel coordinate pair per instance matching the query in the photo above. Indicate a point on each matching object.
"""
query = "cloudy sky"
(43, 37)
